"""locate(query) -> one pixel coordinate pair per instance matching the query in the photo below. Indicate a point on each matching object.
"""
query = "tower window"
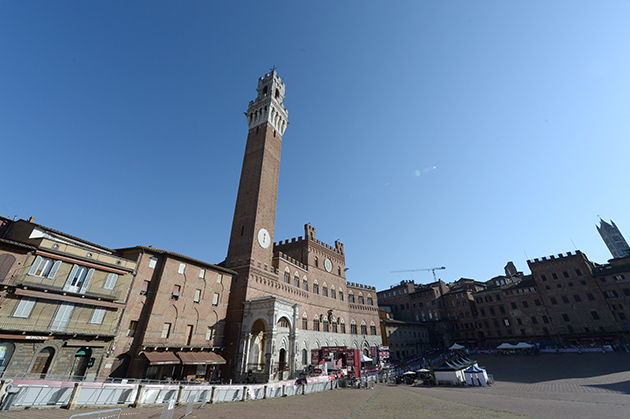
(277, 94)
(265, 89)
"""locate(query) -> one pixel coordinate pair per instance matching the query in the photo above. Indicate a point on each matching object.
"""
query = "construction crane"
(418, 270)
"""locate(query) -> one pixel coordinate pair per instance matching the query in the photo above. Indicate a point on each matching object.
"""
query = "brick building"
(291, 296)
(173, 326)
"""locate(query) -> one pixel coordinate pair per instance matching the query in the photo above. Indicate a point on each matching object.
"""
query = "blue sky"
(423, 133)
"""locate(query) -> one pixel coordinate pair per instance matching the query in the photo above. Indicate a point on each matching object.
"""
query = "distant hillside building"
(614, 239)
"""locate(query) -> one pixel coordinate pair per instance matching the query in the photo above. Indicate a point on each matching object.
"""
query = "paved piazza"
(568, 386)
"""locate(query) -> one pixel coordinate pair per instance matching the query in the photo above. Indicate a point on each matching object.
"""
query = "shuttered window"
(24, 307)
(110, 281)
(215, 299)
(44, 267)
(98, 315)
(62, 318)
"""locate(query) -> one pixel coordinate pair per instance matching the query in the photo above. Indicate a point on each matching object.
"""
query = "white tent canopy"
(456, 346)
(476, 376)
(365, 358)
(506, 346)
(523, 345)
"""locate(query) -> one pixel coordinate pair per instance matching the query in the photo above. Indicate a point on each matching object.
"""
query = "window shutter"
(61, 320)
(145, 287)
(110, 282)
(73, 272)
(176, 291)
(88, 277)
(53, 271)
(24, 307)
(6, 262)
(215, 299)
(97, 316)
(202, 273)
(35, 265)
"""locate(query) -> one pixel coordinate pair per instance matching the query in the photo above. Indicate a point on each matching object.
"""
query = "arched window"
(353, 327)
(304, 322)
(305, 284)
(297, 280)
(305, 357)
(363, 328)
(287, 277)
(342, 326)
(316, 324)
(325, 291)
(361, 300)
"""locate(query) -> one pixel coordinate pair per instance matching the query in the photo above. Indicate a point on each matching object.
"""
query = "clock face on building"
(328, 265)
(264, 239)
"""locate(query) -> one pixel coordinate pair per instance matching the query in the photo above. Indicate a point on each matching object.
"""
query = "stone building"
(62, 298)
(616, 243)
(173, 325)
(289, 296)
(403, 339)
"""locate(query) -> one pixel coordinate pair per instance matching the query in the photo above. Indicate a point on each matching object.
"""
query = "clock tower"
(251, 239)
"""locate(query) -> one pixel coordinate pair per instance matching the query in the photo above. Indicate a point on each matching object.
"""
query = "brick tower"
(250, 251)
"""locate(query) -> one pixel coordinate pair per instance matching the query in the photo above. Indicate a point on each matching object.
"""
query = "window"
(316, 288)
(326, 327)
(619, 277)
(97, 316)
(537, 302)
(353, 329)
(145, 288)
(534, 320)
(595, 315)
(373, 328)
(197, 296)
(519, 321)
(371, 302)
(305, 324)
(215, 299)
(209, 332)
(502, 309)
(578, 272)
(565, 317)
(316, 325)
(189, 334)
(202, 273)
(363, 329)
(543, 277)
(565, 273)
(287, 277)
(513, 304)
(545, 319)
(176, 290)
(166, 330)
(491, 309)
(483, 311)
(325, 292)
(133, 325)
(554, 276)
(334, 327)
(506, 322)
(553, 300)
(333, 294)
(79, 279)
(24, 307)
(297, 281)
(110, 281)
(525, 304)
(219, 278)
(153, 262)
(351, 298)
(316, 262)
(611, 294)
(565, 299)
(590, 296)
(577, 298)
(622, 316)
(602, 279)
(362, 301)
(626, 292)
(62, 318)
(342, 326)
(305, 284)
(44, 267)
(181, 269)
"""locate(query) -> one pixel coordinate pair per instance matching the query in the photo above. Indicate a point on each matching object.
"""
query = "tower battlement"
(360, 286)
(550, 258)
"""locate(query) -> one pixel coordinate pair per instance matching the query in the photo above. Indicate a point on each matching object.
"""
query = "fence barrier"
(70, 394)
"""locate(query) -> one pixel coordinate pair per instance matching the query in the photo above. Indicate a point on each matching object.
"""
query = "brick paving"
(567, 386)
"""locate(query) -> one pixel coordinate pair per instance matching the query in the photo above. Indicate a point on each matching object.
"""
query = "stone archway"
(42, 362)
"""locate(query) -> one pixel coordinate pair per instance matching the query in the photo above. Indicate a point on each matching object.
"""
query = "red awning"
(200, 358)
(161, 358)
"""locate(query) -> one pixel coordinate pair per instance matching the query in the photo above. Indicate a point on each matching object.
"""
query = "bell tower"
(251, 238)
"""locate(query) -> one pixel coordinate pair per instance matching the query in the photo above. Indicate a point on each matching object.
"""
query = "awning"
(68, 298)
(161, 358)
(200, 358)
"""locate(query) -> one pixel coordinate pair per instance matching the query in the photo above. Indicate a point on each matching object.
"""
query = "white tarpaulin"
(365, 358)
(506, 346)
(456, 346)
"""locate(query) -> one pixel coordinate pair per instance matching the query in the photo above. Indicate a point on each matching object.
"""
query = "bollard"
(265, 389)
(213, 395)
(72, 403)
(180, 395)
(139, 396)
(244, 394)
